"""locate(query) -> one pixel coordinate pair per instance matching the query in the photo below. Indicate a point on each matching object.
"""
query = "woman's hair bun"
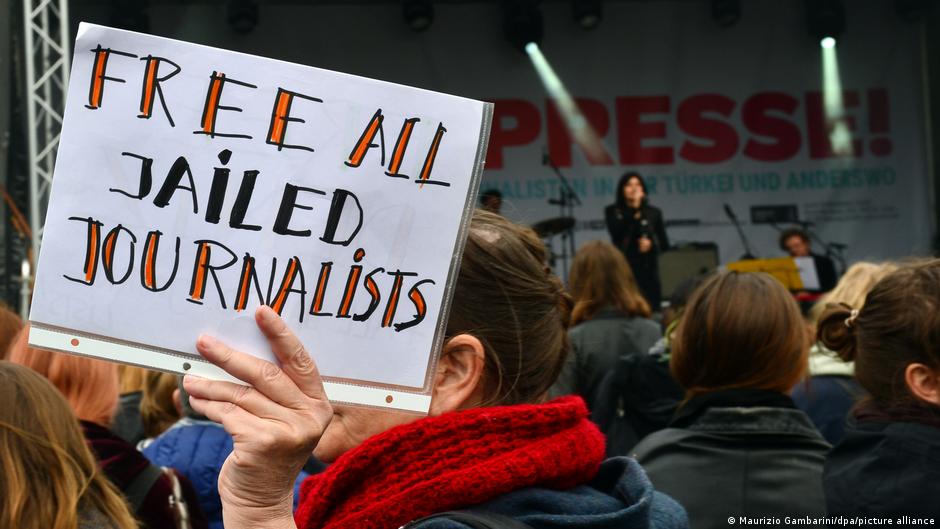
(837, 330)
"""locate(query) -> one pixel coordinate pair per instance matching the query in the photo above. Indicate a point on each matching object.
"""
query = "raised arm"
(275, 423)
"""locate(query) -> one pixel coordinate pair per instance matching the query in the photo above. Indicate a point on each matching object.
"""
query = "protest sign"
(193, 184)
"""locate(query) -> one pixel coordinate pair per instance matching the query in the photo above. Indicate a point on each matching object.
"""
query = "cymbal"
(553, 226)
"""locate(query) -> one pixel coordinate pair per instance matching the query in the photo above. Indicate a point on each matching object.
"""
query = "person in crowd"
(197, 447)
(610, 318)
(796, 242)
(888, 464)
(831, 390)
(637, 229)
(159, 499)
(640, 396)
(158, 408)
(127, 423)
(10, 325)
(491, 200)
(48, 476)
(489, 444)
(738, 446)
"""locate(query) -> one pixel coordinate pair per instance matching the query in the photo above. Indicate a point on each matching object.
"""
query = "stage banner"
(710, 116)
(194, 184)
(734, 119)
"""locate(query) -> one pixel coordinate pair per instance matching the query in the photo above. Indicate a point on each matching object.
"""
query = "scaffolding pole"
(46, 49)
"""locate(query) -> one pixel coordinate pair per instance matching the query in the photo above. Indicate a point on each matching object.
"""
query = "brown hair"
(898, 325)
(10, 325)
(157, 410)
(506, 297)
(789, 233)
(48, 475)
(739, 331)
(90, 386)
(600, 276)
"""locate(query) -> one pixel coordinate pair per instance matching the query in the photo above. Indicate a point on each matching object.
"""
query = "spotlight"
(825, 18)
(587, 13)
(726, 12)
(522, 22)
(243, 15)
(418, 14)
(828, 42)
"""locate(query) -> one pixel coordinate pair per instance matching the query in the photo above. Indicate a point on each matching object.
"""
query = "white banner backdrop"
(709, 115)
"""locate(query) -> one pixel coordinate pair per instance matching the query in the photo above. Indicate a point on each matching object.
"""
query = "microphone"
(730, 213)
(546, 159)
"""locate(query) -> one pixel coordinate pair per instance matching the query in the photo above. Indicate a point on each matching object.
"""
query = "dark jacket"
(885, 469)
(619, 497)
(596, 345)
(127, 423)
(122, 463)
(197, 449)
(636, 399)
(738, 453)
(625, 232)
(827, 400)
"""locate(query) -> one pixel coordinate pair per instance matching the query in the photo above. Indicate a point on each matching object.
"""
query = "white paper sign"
(806, 266)
(193, 184)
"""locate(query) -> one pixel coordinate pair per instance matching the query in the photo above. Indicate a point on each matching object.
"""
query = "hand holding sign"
(275, 425)
(254, 182)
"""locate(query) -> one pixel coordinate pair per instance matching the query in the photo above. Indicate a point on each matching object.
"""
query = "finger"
(295, 360)
(244, 397)
(235, 420)
(264, 376)
(250, 429)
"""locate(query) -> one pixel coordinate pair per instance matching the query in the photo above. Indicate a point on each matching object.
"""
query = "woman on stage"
(636, 228)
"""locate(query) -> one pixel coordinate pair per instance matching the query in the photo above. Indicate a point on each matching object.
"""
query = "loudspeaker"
(685, 261)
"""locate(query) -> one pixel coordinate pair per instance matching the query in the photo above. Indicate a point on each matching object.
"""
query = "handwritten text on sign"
(193, 184)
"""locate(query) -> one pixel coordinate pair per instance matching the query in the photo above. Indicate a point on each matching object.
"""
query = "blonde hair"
(89, 386)
(132, 378)
(600, 276)
(48, 475)
(854, 285)
(157, 410)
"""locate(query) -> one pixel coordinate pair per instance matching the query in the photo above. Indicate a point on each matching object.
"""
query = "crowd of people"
(553, 406)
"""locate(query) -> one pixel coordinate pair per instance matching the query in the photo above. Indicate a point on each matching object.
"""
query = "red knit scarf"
(453, 461)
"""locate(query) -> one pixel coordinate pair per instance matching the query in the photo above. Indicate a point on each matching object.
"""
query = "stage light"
(243, 15)
(587, 13)
(840, 137)
(577, 125)
(726, 12)
(825, 18)
(522, 22)
(418, 14)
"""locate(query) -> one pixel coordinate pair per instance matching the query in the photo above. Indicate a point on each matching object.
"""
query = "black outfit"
(826, 270)
(738, 453)
(626, 227)
(885, 469)
(636, 399)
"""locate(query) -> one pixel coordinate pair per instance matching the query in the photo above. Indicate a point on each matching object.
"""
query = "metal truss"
(47, 55)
